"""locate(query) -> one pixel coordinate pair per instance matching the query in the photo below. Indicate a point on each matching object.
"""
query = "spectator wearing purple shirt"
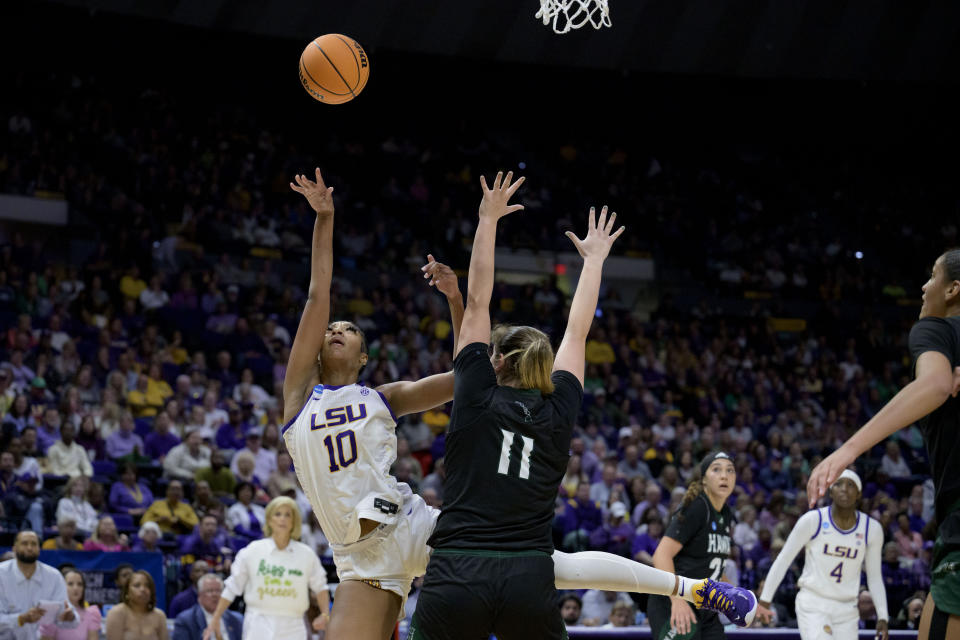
(187, 598)
(124, 441)
(233, 435)
(746, 485)
(580, 517)
(206, 544)
(147, 539)
(617, 534)
(223, 372)
(774, 477)
(159, 441)
(644, 544)
(49, 430)
(653, 499)
(127, 495)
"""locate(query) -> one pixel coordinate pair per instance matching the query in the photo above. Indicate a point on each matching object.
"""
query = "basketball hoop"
(573, 14)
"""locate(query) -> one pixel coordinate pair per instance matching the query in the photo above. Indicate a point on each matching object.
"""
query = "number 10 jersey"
(343, 443)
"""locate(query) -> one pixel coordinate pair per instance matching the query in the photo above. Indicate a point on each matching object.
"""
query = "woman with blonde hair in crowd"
(74, 506)
(137, 615)
(89, 615)
(109, 419)
(105, 537)
(275, 575)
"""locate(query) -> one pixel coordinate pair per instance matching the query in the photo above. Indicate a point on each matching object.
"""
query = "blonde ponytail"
(536, 366)
(528, 356)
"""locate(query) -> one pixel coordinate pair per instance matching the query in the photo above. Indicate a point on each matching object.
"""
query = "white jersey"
(343, 443)
(834, 559)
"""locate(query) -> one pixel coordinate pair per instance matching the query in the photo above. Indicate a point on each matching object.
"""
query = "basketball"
(334, 68)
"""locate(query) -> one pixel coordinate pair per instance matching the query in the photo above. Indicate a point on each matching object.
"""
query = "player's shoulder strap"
(315, 393)
(866, 527)
(820, 515)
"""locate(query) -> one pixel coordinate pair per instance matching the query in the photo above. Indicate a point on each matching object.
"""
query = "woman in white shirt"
(244, 517)
(275, 575)
(73, 505)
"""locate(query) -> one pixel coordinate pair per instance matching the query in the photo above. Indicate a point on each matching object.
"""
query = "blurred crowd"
(140, 381)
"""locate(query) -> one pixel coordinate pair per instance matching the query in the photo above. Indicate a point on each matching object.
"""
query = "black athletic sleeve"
(933, 334)
(687, 522)
(473, 376)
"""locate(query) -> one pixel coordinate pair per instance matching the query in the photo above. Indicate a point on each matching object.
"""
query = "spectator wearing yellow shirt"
(148, 398)
(359, 305)
(437, 419)
(64, 541)
(599, 350)
(131, 284)
(172, 514)
(434, 324)
(156, 385)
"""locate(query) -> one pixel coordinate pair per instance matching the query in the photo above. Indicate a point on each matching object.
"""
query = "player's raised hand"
(600, 235)
(495, 203)
(827, 472)
(318, 194)
(441, 276)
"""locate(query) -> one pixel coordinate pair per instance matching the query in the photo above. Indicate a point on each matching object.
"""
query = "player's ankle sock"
(607, 572)
(686, 587)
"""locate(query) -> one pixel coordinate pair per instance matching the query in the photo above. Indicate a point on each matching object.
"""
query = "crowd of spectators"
(139, 383)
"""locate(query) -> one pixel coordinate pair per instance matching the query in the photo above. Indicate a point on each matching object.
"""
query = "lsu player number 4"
(839, 542)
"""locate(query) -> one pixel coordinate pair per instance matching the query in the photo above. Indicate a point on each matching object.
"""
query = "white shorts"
(392, 555)
(258, 625)
(824, 619)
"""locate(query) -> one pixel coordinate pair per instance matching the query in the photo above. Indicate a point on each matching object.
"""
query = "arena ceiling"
(888, 40)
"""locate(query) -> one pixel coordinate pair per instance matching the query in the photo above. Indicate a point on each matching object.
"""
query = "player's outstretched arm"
(873, 567)
(494, 205)
(302, 367)
(594, 249)
(681, 615)
(807, 526)
(407, 396)
(935, 382)
(445, 280)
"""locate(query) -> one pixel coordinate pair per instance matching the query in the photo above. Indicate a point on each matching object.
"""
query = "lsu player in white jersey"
(341, 437)
(840, 542)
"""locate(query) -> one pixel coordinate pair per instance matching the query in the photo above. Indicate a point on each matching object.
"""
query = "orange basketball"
(334, 68)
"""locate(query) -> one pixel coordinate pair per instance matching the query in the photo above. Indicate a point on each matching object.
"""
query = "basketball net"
(573, 14)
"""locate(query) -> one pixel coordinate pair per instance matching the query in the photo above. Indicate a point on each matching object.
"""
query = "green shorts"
(945, 577)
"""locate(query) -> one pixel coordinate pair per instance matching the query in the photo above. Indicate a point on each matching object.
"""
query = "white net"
(564, 15)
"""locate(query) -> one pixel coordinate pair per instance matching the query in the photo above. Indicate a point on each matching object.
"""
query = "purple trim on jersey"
(387, 405)
(866, 534)
(289, 424)
(333, 387)
(819, 523)
(839, 530)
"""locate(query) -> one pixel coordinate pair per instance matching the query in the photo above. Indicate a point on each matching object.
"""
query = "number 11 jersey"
(506, 453)
(343, 443)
